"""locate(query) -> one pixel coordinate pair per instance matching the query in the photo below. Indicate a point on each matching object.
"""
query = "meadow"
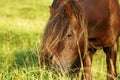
(22, 24)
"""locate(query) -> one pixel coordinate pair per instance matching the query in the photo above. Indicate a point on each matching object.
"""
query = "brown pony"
(76, 29)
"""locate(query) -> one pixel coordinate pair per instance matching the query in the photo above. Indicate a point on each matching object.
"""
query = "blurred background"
(22, 24)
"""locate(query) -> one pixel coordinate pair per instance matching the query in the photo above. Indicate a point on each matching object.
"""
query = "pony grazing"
(76, 29)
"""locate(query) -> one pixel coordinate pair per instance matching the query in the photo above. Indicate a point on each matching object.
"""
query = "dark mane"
(57, 25)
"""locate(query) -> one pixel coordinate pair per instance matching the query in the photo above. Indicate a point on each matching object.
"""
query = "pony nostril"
(54, 61)
(55, 65)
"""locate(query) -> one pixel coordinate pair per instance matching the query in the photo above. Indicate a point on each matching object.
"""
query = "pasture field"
(22, 24)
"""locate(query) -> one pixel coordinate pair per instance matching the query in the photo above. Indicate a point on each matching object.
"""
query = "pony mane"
(56, 28)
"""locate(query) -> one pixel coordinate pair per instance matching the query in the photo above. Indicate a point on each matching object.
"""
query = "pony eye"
(69, 35)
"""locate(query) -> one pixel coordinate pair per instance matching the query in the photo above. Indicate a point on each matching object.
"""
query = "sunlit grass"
(22, 23)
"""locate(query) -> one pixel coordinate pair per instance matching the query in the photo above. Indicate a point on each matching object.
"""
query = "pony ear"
(68, 9)
(51, 10)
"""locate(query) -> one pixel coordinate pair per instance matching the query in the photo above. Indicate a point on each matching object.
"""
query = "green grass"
(22, 24)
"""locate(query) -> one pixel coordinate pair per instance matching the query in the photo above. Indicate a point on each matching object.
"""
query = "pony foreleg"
(111, 55)
(87, 63)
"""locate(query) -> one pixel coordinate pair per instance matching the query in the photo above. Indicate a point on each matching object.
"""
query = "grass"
(22, 24)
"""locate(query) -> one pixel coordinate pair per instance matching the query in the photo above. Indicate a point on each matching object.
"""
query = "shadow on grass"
(25, 58)
(118, 76)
